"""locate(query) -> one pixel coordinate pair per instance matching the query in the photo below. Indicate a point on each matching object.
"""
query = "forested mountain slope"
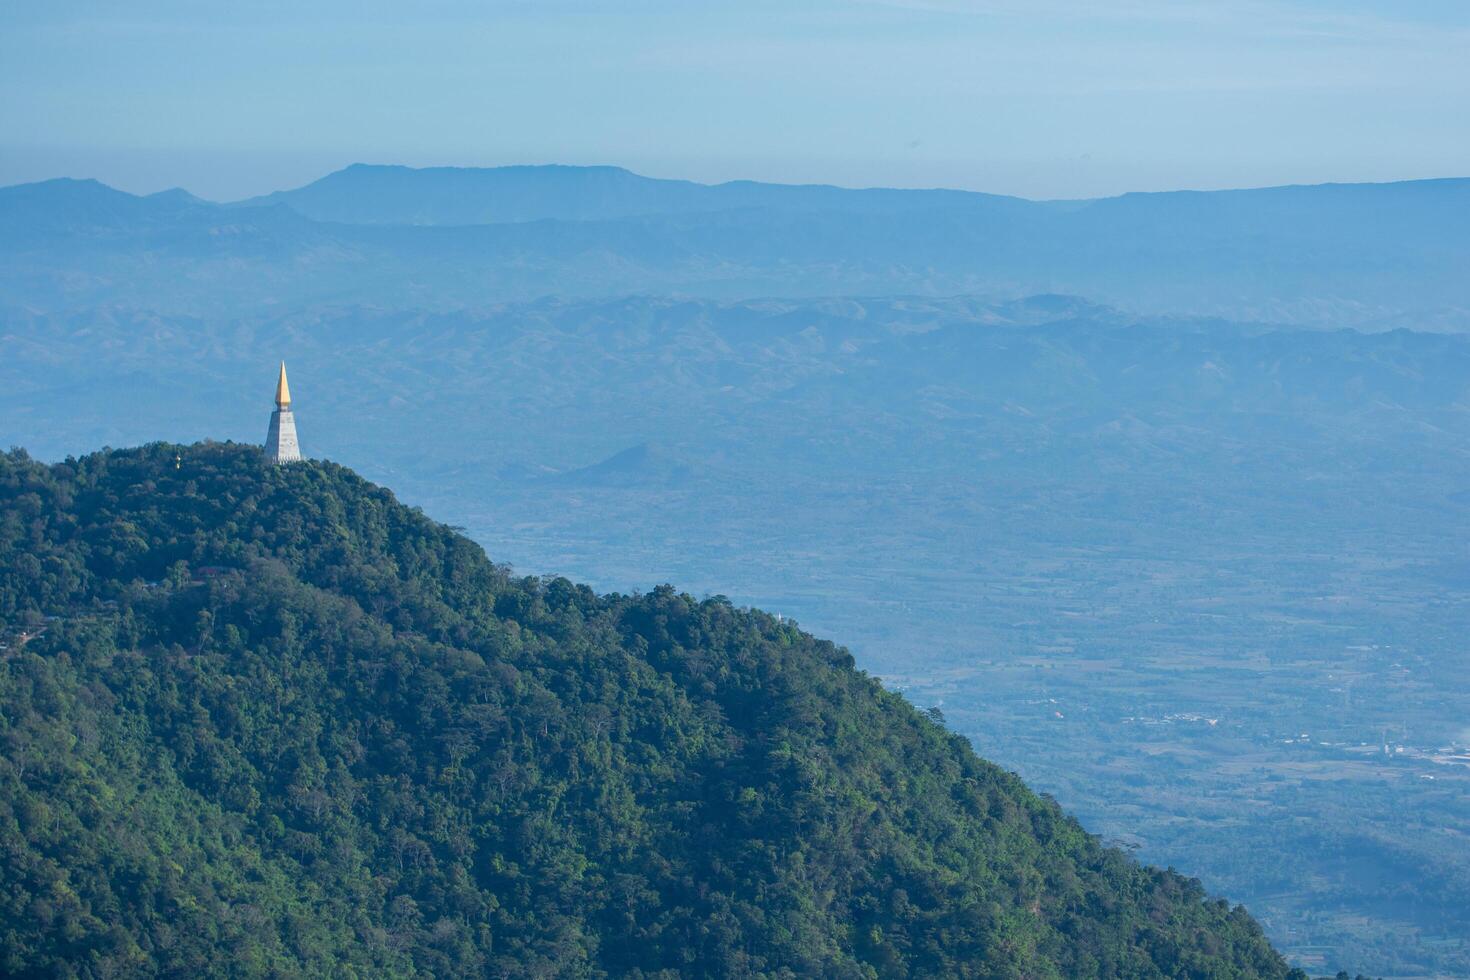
(266, 720)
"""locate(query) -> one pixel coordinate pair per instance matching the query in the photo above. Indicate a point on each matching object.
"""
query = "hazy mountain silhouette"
(642, 466)
(369, 194)
(1368, 254)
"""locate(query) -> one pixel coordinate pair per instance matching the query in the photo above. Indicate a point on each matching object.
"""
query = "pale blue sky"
(1043, 98)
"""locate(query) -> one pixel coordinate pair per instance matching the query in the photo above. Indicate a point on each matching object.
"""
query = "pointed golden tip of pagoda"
(283, 390)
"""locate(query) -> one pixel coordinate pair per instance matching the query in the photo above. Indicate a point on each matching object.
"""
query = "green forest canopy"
(267, 720)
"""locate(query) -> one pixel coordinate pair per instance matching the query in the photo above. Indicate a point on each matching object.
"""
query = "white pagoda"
(280, 442)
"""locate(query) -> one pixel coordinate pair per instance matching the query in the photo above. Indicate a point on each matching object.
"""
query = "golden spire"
(283, 390)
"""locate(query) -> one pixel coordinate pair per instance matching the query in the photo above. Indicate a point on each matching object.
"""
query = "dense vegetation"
(266, 721)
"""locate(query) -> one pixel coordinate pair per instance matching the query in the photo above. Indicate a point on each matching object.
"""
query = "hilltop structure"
(280, 441)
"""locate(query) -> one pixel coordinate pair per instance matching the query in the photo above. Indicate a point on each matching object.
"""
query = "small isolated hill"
(269, 721)
(643, 465)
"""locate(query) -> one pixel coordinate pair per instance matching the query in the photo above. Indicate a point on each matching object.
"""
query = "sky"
(1040, 98)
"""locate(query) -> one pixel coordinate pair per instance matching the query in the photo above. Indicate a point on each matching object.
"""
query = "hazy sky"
(1043, 98)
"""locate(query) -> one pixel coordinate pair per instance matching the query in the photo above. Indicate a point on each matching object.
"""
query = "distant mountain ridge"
(1362, 254)
(386, 194)
(375, 195)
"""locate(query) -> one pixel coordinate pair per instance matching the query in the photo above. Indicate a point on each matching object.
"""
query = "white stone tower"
(280, 441)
